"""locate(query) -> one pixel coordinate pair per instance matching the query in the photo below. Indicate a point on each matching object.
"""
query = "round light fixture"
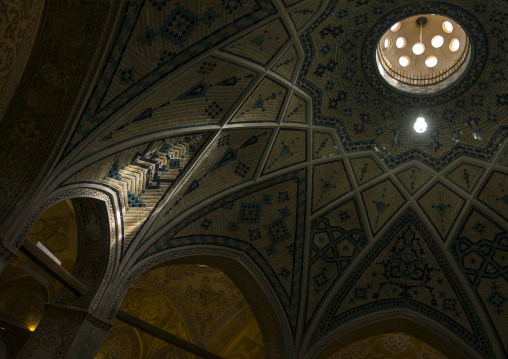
(395, 27)
(420, 125)
(454, 45)
(431, 61)
(388, 42)
(418, 48)
(404, 61)
(437, 41)
(447, 27)
(400, 43)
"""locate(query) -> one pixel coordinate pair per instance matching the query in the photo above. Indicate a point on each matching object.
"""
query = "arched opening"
(74, 236)
(197, 303)
(392, 338)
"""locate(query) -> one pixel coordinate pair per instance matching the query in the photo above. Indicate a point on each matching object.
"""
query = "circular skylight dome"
(405, 67)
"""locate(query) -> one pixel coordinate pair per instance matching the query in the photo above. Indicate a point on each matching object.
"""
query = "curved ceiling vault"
(261, 126)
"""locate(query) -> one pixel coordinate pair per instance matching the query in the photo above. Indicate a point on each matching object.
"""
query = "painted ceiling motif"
(261, 129)
(198, 304)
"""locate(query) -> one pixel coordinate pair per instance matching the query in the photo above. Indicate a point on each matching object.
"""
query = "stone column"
(6, 256)
(65, 332)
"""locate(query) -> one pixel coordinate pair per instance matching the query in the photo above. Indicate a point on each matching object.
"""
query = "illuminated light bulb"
(420, 125)
(387, 43)
(418, 48)
(395, 27)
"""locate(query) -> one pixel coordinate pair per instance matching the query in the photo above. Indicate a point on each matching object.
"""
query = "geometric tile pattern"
(296, 111)
(301, 15)
(264, 103)
(202, 95)
(466, 176)
(142, 175)
(413, 179)
(481, 252)
(156, 41)
(365, 169)
(337, 238)
(381, 201)
(261, 45)
(231, 160)
(265, 221)
(406, 268)
(494, 193)
(330, 181)
(441, 206)
(286, 65)
(289, 148)
(323, 145)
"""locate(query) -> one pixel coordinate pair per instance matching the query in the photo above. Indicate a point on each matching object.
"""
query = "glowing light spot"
(420, 125)
(437, 41)
(418, 48)
(404, 61)
(431, 61)
(400, 43)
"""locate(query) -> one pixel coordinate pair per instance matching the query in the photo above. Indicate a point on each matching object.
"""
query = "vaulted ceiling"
(260, 128)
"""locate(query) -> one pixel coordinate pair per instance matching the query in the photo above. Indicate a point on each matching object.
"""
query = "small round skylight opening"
(395, 27)
(420, 61)
(447, 27)
(400, 43)
(454, 45)
(437, 41)
(418, 48)
(431, 61)
(404, 61)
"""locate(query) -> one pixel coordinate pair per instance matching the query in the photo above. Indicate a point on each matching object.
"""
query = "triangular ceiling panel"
(262, 44)
(441, 206)
(382, 201)
(286, 64)
(301, 15)
(336, 239)
(466, 176)
(265, 222)
(494, 193)
(203, 95)
(264, 103)
(231, 160)
(330, 182)
(406, 269)
(296, 111)
(481, 252)
(365, 169)
(289, 148)
(413, 179)
(323, 145)
(154, 41)
(142, 175)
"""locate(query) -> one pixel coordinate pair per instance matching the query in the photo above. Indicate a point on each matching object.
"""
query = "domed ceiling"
(261, 128)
